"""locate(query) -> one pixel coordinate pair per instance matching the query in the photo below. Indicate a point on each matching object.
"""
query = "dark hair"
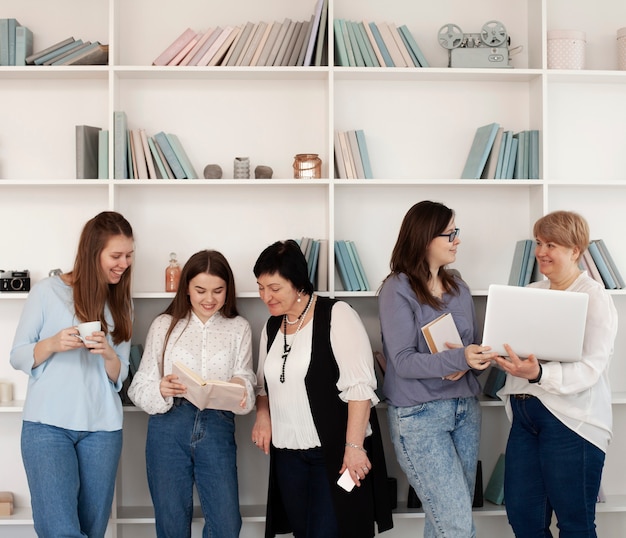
(91, 288)
(286, 259)
(210, 262)
(421, 224)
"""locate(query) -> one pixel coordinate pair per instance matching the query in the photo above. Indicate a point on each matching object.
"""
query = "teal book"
(350, 269)
(36, 55)
(359, 59)
(354, 255)
(506, 139)
(341, 268)
(615, 273)
(365, 158)
(494, 492)
(479, 151)
(531, 261)
(59, 51)
(515, 274)
(360, 27)
(381, 45)
(120, 145)
(170, 155)
(525, 261)
(609, 282)
(7, 41)
(103, 154)
(507, 153)
(341, 53)
(183, 159)
(533, 155)
(23, 44)
(413, 46)
(510, 169)
(87, 143)
(348, 43)
(518, 171)
(313, 260)
(416, 62)
(157, 158)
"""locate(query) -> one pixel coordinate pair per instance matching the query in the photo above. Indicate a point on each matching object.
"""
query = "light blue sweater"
(71, 389)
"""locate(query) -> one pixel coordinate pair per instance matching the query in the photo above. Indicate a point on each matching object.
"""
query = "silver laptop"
(547, 323)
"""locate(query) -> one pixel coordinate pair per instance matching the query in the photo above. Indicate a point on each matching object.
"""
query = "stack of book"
(316, 253)
(349, 266)
(139, 156)
(375, 44)
(351, 156)
(69, 51)
(286, 43)
(499, 154)
(599, 264)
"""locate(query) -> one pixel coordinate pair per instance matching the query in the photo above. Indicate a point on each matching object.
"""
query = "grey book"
(87, 151)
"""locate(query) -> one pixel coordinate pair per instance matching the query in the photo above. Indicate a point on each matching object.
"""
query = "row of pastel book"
(316, 253)
(596, 260)
(348, 263)
(375, 44)
(499, 154)
(139, 156)
(287, 43)
(351, 156)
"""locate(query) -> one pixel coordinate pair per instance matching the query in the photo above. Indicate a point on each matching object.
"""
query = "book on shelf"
(524, 265)
(518, 172)
(214, 46)
(314, 258)
(290, 43)
(294, 58)
(220, 55)
(207, 393)
(23, 44)
(103, 154)
(161, 173)
(440, 331)
(246, 43)
(492, 160)
(55, 59)
(208, 40)
(412, 45)
(348, 266)
(269, 28)
(314, 33)
(494, 382)
(87, 142)
(356, 260)
(36, 55)
(120, 149)
(164, 143)
(402, 46)
(322, 38)
(61, 50)
(174, 47)
(94, 54)
(133, 172)
(255, 39)
(369, 56)
(603, 268)
(147, 154)
(322, 265)
(364, 153)
(381, 45)
(608, 258)
(340, 165)
(587, 264)
(505, 148)
(388, 38)
(357, 52)
(182, 54)
(356, 154)
(372, 41)
(164, 169)
(8, 28)
(510, 169)
(347, 155)
(182, 157)
(341, 53)
(479, 151)
(202, 38)
(342, 268)
(264, 56)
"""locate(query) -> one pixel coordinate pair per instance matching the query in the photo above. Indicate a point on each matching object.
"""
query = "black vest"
(356, 511)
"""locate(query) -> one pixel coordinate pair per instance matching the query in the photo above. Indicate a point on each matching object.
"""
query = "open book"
(209, 394)
(439, 331)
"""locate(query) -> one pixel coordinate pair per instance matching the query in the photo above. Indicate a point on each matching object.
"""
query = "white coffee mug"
(85, 330)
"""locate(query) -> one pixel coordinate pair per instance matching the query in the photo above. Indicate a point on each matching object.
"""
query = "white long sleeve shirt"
(579, 393)
(219, 349)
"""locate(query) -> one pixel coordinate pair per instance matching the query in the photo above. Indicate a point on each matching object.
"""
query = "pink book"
(172, 50)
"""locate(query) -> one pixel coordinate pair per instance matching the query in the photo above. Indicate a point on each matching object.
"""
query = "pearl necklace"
(286, 347)
(298, 318)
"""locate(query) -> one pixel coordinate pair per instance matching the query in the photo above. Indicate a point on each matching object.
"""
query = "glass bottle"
(172, 274)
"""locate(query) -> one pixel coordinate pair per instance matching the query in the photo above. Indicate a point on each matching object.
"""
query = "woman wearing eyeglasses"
(434, 414)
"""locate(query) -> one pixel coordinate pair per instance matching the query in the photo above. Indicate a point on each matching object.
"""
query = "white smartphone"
(345, 481)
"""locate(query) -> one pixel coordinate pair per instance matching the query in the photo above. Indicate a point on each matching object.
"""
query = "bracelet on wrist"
(538, 378)
(352, 445)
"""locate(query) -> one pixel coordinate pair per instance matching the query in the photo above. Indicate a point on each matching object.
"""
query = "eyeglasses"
(452, 235)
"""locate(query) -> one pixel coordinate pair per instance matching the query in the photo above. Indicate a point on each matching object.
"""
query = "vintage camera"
(14, 280)
(487, 48)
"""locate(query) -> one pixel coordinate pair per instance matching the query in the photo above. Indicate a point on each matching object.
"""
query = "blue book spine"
(341, 268)
(313, 262)
(183, 159)
(366, 41)
(65, 48)
(365, 158)
(365, 286)
(413, 46)
(120, 153)
(350, 269)
(510, 170)
(164, 143)
(23, 44)
(381, 45)
(341, 56)
(359, 61)
(103, 154)
(499, 166)
(479, 151)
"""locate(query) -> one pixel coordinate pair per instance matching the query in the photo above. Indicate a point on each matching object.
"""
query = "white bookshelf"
(419, 124)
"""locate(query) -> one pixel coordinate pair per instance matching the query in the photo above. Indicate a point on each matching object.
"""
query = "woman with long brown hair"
(72, 428)
(202, 329)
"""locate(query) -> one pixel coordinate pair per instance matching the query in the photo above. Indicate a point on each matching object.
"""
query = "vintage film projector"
(487, 48)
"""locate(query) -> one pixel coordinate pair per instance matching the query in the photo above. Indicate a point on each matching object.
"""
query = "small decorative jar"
(307, 166)
(241, 168)
(566, 49)
(621, 49)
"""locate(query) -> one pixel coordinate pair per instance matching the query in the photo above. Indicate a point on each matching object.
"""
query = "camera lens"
(16, 284)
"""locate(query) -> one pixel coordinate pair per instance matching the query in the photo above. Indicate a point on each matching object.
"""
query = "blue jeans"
(549, 467)
(436, 445)
(186, 446)
(71, 477)
(305, 492)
